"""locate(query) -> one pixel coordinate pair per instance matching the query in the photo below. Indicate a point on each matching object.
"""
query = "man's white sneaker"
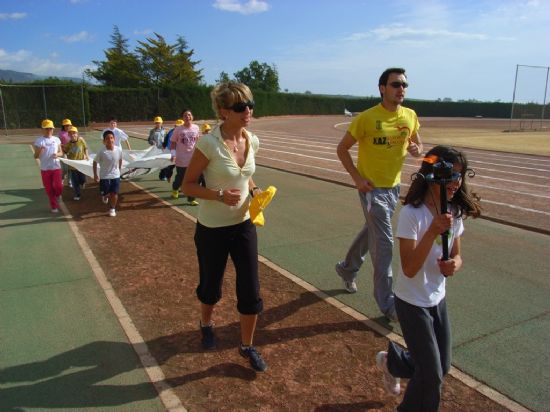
(55, 210)
(391, 383)
(112, 212)
(105, 199)
(350, 286)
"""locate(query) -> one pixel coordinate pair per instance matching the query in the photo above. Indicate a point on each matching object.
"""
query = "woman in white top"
(225, 157)
(420, 285)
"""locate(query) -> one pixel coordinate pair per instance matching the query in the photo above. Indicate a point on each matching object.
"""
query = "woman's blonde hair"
(225, 95)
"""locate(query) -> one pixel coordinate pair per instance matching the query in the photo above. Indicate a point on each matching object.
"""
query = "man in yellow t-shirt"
(385, 133)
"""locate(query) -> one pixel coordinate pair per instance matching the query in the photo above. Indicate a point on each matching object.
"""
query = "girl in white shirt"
(47, 149)
(420, 284)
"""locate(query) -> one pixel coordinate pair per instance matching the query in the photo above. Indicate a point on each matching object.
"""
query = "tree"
(120, 68)
(156, 56)
(54, 81)
(154, 62)
(259, 76)
(186, 71)
(223, 78)
(167, 64)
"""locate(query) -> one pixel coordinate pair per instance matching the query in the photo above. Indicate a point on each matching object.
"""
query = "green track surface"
(62, 347)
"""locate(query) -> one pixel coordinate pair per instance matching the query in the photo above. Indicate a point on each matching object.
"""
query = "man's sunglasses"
(240, 107)
(397, 85)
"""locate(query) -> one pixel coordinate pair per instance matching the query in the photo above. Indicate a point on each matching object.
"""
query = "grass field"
(537, 143)
(486, 134)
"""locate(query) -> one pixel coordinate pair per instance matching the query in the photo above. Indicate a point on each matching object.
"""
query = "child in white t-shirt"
(47, 148)
(120, 135)
(420, 285)
(109, 160)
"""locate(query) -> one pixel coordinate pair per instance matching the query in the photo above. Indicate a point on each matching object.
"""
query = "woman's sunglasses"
(240, 107)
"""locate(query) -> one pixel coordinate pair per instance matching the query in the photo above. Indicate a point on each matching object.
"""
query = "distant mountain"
(22, 77)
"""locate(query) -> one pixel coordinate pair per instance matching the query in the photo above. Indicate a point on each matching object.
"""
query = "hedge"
(26, 106)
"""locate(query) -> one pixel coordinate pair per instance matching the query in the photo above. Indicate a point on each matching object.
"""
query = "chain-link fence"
(25, 106)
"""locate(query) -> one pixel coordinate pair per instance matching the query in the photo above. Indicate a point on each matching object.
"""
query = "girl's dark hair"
(464, 203)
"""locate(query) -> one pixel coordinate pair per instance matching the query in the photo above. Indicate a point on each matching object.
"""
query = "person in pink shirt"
(182, 145)
(64, 132)
(47, 148)
(65, 139)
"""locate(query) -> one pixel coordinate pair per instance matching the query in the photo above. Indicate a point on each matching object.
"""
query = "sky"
(454, 49)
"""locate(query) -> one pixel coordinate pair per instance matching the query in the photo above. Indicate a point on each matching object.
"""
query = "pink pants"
(51, 179)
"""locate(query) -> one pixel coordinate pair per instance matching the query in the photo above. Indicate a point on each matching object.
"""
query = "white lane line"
(415, 164)
(167, 395)
(328, 145)
(405, 184)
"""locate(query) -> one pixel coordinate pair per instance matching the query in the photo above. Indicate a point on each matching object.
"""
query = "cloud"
(143, 32)
(249, 7)
(399, 32)
(12, 16)
(78, 37)
(24, 61)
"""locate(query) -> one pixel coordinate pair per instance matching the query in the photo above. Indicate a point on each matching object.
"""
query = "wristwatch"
(220, 195)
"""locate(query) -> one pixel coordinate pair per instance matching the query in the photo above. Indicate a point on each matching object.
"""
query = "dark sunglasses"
(240, 107)
(397, 85)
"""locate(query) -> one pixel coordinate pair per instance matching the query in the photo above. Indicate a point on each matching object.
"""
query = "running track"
(514, 188)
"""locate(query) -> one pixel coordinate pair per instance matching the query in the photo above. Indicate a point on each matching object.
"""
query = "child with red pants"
(47, 148)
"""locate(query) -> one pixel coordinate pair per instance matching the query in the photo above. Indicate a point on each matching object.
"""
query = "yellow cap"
(205, 128)
(73, 129)
(157, 119)
(66, 122)
(179, 122)
(47, 124)
(259, 203)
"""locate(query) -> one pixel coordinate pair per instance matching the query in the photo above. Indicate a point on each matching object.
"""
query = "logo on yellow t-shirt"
(391, 141)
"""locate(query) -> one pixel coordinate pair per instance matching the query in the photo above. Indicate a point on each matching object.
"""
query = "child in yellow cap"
(65, 138)
(156, 134)
(47, 148)
(76, 149)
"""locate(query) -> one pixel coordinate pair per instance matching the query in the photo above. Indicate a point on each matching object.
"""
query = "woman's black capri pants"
(214, 245)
